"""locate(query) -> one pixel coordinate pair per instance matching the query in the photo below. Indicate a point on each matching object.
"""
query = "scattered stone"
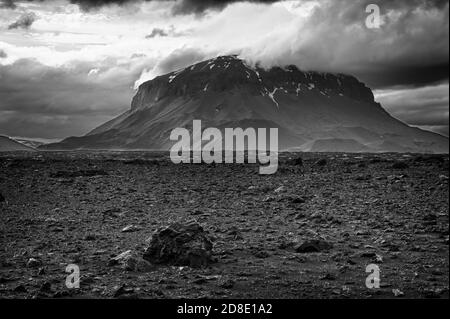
(321, 162)
(258, 253)
(300, 215)
(20, 289)
(400, 165)
(119, 258)
(130, 229)
(181, 245)
(123, 291)
(280, 189)
(46, 287)
(329, 276)
(298, 161)
(397, 293)
(379, 258)
(432, 293)
(313, 246)
(292, 199)
(368, 254)
(33, 263)
(90, 237)
(112, 212)
(235, 233)
(226, 283)
(131, 262)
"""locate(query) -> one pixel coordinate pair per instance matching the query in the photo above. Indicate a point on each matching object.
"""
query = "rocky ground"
(308, 231)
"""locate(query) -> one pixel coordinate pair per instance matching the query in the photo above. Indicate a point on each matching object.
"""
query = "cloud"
(405, 59)
(180, 7)
(24, 22)
(178, 59)
(49, 102)
(157, 32)
(7, 4)
(200, 6)
(424, 107)
(411, 46)
(3, 54)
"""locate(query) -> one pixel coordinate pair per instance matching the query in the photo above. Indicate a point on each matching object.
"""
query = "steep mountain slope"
(7, 145)
(313, 111)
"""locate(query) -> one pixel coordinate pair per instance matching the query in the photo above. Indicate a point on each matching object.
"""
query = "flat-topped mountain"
(313, 111)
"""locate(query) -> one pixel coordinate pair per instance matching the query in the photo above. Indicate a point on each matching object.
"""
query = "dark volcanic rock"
(400, 165)
(313, 246)
(181, 245)
(33, 263)
(130, 261)
(321, 162)
(298, 161)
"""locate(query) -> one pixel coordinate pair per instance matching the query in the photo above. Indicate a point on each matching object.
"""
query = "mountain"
(7, 145)
(28, 142)
(313, 111)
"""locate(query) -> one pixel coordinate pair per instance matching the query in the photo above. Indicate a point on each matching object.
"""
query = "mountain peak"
(225, 73)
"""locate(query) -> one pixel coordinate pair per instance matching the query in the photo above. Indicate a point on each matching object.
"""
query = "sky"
(67, 66)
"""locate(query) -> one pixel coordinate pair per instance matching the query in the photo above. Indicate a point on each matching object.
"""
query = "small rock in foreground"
(130, 229)
(313, 246)
(130, 262)
(33, 263)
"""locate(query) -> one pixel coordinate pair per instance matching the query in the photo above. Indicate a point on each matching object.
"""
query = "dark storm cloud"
(42, 101)
(411, 46)
(181, 7)
(413, 75)
(199, 6)
(7, 4)
(24, 22)
(157, 32)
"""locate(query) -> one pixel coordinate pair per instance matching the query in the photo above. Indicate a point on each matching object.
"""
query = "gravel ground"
(64, 208)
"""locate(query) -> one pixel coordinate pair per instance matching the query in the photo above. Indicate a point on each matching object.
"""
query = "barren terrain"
(72, 207)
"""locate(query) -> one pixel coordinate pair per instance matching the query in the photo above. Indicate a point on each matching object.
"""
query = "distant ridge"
(8, 145)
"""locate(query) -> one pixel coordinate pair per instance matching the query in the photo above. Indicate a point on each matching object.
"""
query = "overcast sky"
(67, 66)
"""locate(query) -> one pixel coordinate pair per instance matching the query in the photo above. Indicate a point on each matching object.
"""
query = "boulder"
(181, 245)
